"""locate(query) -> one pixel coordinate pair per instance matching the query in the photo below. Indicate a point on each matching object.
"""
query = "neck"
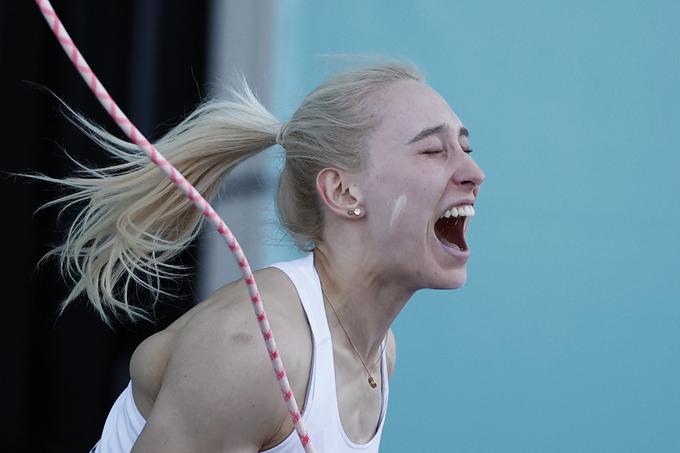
(366, 301)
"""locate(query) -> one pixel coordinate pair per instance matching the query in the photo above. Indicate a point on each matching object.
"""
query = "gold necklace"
(371, 381)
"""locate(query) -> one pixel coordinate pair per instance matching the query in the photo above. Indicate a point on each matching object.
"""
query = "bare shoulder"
(218, 387)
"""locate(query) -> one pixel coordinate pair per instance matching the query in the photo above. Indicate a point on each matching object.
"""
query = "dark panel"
(61, 375)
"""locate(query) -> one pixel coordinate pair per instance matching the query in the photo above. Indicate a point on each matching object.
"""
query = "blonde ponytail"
(135, 220)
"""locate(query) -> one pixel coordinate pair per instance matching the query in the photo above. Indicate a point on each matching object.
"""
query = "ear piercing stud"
(354, 212)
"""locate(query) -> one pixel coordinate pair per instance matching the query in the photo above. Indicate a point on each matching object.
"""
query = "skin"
(369, 271)
(399, 204)
(205, 383)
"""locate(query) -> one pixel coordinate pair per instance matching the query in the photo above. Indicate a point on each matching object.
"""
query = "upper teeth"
(461, 211)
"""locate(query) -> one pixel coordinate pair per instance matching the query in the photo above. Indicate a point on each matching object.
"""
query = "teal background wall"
(566, 337)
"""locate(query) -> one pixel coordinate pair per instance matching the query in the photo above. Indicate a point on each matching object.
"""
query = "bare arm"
(211, 401)
(219, 393)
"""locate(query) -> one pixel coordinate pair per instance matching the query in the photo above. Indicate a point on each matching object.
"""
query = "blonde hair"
(135, 221)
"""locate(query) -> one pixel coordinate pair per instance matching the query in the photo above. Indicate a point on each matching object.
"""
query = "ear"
(338, 193)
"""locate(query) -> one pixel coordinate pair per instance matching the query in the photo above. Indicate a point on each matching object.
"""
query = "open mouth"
(451, 231)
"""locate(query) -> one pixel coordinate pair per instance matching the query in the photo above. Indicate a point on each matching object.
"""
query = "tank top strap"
(306, 281)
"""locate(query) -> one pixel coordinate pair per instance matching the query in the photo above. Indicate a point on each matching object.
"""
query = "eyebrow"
(435, 130)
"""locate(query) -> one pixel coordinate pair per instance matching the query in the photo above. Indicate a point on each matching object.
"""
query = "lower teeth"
(451, 244)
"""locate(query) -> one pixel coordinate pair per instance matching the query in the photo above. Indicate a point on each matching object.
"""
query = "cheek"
(404, 202)
(397, 208)
(406, 219)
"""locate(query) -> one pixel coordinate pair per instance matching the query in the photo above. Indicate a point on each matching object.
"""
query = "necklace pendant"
(371, 382)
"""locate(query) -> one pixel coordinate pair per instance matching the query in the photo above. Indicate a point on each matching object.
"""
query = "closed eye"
(437, 151)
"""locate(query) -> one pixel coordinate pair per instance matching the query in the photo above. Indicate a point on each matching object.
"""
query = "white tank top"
(320, 412)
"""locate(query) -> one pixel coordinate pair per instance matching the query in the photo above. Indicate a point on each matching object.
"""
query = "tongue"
(450, 231)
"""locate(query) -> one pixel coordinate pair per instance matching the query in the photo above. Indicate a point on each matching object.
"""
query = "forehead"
(407, 107)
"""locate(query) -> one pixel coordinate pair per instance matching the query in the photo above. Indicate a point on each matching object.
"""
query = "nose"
(468, 173)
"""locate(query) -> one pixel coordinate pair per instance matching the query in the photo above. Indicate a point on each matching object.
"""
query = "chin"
(451, 279)
(459, 280)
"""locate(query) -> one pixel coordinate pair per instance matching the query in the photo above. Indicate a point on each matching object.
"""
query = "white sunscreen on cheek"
(397, 206)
